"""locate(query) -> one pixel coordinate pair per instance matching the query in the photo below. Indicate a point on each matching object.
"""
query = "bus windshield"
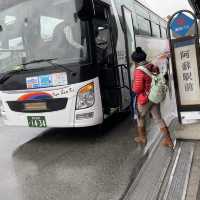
(43, 29)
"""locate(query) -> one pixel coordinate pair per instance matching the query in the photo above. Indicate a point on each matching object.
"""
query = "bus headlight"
(85, 97)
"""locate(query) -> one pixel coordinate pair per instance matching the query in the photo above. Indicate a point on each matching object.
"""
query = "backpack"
(158, 88)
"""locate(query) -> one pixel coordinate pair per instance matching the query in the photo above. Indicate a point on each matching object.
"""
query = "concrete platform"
(190, 131)
(169, 174)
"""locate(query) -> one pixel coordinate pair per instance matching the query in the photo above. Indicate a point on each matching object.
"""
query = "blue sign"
(45, 81)
(181, 24)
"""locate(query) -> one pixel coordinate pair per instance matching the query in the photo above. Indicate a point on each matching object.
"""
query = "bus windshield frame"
(35, 30)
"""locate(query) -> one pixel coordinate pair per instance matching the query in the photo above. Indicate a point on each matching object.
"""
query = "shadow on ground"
(86, 163)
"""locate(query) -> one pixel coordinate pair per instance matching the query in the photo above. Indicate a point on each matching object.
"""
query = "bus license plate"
(37, 121)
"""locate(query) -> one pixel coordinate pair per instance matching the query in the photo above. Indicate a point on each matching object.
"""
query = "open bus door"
(130, 48)
(106, 57)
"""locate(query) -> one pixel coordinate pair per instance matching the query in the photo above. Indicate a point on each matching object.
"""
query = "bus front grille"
(37, 106)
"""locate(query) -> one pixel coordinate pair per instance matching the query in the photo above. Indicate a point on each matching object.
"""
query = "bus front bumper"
(67, 117)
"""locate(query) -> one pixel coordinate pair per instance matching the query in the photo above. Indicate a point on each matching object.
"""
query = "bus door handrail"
(121, 67)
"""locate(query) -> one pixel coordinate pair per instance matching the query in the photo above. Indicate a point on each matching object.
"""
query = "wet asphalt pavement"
(67, 164)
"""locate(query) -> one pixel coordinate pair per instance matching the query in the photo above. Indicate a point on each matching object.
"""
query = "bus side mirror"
(87, 10)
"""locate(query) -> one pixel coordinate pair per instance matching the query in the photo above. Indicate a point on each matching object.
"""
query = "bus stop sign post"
(183, 36)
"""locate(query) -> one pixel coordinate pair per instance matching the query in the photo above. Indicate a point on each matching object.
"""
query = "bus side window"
(102, 37)
(102, 28)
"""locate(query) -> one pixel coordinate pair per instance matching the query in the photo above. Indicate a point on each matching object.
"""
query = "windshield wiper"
(50, 62)
(38, 61)
(9, 74)
(5, 76)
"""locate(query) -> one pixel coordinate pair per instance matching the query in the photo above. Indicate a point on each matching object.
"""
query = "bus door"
(105, 48)
(130, 45)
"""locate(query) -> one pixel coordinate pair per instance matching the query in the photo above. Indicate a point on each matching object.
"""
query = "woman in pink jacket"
(141, 87)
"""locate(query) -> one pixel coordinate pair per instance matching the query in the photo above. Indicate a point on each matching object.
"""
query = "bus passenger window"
(102, 32)
(101, 37)
(143, 26)
(163, 32)
(155, 30)
(102, 41)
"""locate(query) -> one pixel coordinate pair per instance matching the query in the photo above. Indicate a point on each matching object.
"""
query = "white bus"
(66, 63)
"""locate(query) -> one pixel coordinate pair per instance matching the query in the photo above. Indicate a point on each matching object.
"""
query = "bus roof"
(144, 4)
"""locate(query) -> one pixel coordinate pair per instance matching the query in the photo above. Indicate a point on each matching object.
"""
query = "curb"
(144, 161)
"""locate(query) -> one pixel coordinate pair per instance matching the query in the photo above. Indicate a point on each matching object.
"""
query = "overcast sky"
(167, 7)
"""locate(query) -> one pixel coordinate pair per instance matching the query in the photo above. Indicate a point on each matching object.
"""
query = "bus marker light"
(84, 116)
(87, 88)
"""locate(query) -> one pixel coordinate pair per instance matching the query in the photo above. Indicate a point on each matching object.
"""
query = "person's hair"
(138, 55)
